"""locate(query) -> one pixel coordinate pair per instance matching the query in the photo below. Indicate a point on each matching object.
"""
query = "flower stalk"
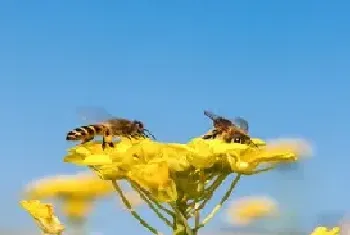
(180, 223)
(178, 180)
(200, 190)
(152, 204)
(220, 204)
(131, 210)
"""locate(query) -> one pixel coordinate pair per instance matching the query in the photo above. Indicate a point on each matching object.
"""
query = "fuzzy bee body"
(108, 130)
(228, 130)
(228, 135)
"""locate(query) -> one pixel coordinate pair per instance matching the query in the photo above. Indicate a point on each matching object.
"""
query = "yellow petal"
(83, 185)
(77, 159)
(82, 151)
(205, 153)
(299, 147)
(167, 193)
(43, 214)
(153, 175)
(248, 209)
(38, 209)
(97, 160)
(335, 231)
(76, 207)
(258, 142)
(174, 155)
(53, 226)
(110, 172)
(324, 231)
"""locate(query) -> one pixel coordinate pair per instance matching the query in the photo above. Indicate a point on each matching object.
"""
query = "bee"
(230, 131)
(107, 128)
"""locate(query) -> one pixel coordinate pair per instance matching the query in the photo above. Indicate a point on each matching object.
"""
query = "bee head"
(139, 124)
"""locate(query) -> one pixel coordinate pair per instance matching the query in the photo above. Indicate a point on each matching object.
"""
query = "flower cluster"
(248, 209)
(175, 180)
(76, 192)
(43, 214)
(326, 231)
(167, 169)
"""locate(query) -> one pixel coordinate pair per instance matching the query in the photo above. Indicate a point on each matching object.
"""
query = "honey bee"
(107, 128)
(230, 131)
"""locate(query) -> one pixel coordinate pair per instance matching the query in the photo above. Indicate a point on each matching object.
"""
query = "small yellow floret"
(326, 231)
(43, 214)
(77, 192)
(247, 209)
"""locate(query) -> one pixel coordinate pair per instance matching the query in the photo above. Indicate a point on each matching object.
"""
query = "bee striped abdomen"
(90, 130)
(85, 132)
(75, 134)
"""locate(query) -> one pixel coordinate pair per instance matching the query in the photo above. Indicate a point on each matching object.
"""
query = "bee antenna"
(209, 114)
(148, 132)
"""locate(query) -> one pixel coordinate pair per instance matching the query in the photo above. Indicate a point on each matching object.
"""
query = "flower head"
(43, 214)
(247, 209)
(164, 168)
(326, 231)
(155, 178)
(85, 185)
(77, 192)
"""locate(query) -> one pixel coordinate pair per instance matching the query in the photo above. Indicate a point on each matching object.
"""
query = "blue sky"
(283, 65)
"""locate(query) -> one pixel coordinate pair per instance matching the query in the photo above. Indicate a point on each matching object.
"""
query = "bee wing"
(241, 123)
(93, 114)
(212, 116)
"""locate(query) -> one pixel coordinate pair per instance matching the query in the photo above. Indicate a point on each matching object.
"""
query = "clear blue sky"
(284, 65)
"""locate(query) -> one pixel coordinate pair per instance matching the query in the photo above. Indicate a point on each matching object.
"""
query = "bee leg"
(212, 134)
(107, 139)
(134, 136)
(106, 143)
(205, 137)
(109, 144)
(87, 140)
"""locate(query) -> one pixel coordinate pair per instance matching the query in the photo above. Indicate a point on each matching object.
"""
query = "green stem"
(206, 195)
(260, 170)
(151, 203)
(149, 195)
(211, 190)
(131, 210)
(178, 227)
(180, 223)
(200, 189)
(219, 205)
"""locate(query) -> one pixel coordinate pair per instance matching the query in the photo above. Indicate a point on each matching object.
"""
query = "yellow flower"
(326, 231)
(76, 191)
(109, 171)
(247, 209)
(76, 207)
(160, 167)
(275, 152)
(287, 144)
(258, 142)
(155, 178)
(43, 214)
